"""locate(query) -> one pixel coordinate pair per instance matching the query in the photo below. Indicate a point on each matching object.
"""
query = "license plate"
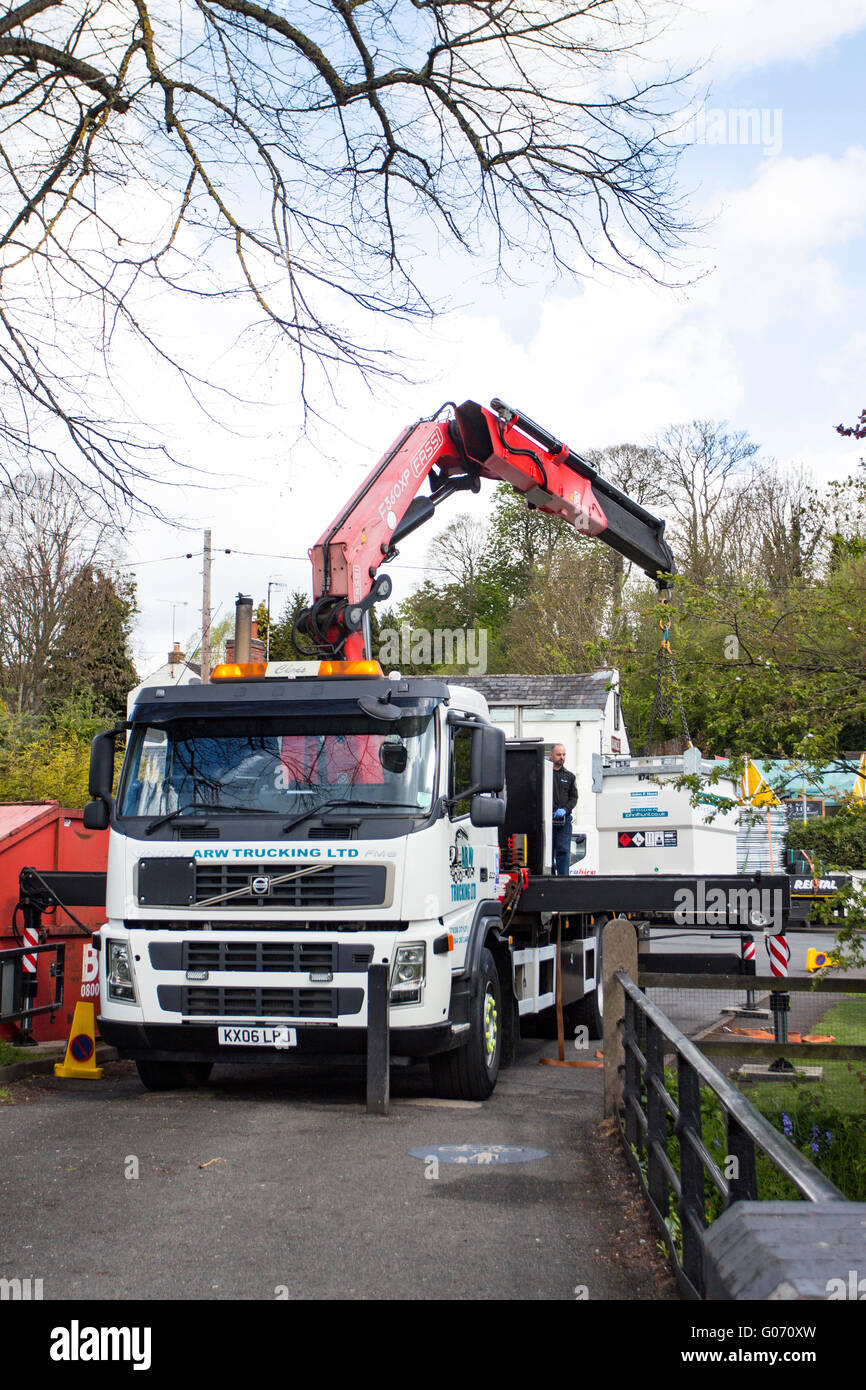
(241, 1036)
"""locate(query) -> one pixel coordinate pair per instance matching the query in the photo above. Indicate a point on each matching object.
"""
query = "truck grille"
(344, 885)
(290, 957)
(207, 1001)
(258, 956)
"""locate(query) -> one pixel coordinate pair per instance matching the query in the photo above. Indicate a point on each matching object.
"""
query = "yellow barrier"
(80, 1059)
(817, 960)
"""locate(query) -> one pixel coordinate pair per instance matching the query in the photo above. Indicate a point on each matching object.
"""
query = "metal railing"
(779, 991)
(18, 987)
(647, 1105)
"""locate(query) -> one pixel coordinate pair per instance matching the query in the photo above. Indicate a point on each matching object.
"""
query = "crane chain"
(667, 700)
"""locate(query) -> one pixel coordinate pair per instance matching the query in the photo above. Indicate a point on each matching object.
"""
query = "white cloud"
(801, 204)
(745, 35)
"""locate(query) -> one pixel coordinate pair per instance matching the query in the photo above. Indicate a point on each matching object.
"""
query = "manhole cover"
(479, 1155)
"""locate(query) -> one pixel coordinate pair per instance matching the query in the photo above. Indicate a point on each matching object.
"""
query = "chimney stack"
(246, 645)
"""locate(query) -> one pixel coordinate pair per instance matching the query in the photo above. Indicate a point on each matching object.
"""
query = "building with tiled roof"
(581, 711)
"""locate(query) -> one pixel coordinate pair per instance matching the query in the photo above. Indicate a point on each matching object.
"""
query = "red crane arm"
(455, 453)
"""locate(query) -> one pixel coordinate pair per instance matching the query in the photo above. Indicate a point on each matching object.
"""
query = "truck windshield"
(279, 766)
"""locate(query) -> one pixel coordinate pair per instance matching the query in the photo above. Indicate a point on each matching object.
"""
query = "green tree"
(64, 616)
(837, 842)
(90, 656)
(761, 668)
(281, 647)
(558, 624)
(48, 758)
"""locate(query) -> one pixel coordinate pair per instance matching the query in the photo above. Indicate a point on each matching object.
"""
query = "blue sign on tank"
(479, 1155)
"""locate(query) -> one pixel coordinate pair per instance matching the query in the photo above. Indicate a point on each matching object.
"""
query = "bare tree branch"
(302, 160)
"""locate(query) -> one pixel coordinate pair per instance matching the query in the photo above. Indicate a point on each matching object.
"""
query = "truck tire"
(173, 1076)
(469, 1072)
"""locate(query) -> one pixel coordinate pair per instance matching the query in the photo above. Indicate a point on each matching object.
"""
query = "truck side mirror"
(488, 759)
(101, 778)
(96, 815)
(487, 810)
(393, 757)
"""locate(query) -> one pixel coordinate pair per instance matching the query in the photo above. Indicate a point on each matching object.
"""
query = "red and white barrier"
(779, 952)
(30, 938)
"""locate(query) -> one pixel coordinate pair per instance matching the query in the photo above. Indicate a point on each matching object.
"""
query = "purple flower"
(814, 1147)
(787, 1126)
(828, 1136)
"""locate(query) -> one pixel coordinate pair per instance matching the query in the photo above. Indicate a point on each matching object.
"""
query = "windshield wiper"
(204, 811)
(356, 802)
(164, 820)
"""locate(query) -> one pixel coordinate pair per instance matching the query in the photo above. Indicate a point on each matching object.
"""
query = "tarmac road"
(273, 1183)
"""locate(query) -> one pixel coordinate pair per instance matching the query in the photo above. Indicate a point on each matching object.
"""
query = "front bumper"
(197, 1042)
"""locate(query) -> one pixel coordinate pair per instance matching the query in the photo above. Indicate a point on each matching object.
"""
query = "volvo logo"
(260, 885)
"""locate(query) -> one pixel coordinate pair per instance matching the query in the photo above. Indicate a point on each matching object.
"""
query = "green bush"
(831, 1138)
(839, 842)
(48, 759)
(829, 1135)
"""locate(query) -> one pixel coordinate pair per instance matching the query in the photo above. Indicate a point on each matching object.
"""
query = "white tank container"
(647, 825)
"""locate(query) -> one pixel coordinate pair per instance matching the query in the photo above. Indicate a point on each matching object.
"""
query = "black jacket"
(564, 790)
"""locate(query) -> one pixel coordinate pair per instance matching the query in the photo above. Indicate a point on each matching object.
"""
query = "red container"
(44, 836)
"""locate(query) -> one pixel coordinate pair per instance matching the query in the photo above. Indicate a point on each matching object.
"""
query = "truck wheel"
(469, 1072)
(173, 1076)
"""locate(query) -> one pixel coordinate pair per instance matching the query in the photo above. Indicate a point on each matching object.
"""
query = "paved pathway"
(274, 1183)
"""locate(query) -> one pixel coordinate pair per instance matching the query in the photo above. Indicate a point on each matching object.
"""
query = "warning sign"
(647, 839)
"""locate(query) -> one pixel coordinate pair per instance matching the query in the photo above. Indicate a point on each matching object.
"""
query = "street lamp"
(272, 584)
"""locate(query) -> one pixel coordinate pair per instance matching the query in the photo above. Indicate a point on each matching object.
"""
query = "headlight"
(759, 919)
(407, 977)
(118, 969)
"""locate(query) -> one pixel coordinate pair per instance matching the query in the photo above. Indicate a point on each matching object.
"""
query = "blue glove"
(559, 813)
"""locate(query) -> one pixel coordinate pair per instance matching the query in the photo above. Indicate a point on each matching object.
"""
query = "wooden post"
(619, 952)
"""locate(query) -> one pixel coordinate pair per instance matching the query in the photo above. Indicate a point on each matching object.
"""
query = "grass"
(843, 1084)
(825, 1120)
(9, 1054)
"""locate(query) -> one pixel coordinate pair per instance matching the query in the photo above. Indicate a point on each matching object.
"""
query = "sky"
(769, 335)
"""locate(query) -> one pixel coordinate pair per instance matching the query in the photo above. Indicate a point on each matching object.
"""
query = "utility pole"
(205, 610)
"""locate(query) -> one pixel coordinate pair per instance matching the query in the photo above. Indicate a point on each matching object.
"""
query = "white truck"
(275, 839)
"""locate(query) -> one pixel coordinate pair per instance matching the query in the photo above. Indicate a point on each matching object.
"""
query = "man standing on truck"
(564, 802)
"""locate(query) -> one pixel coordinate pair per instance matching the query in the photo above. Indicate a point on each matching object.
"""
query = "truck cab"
(273, 838)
